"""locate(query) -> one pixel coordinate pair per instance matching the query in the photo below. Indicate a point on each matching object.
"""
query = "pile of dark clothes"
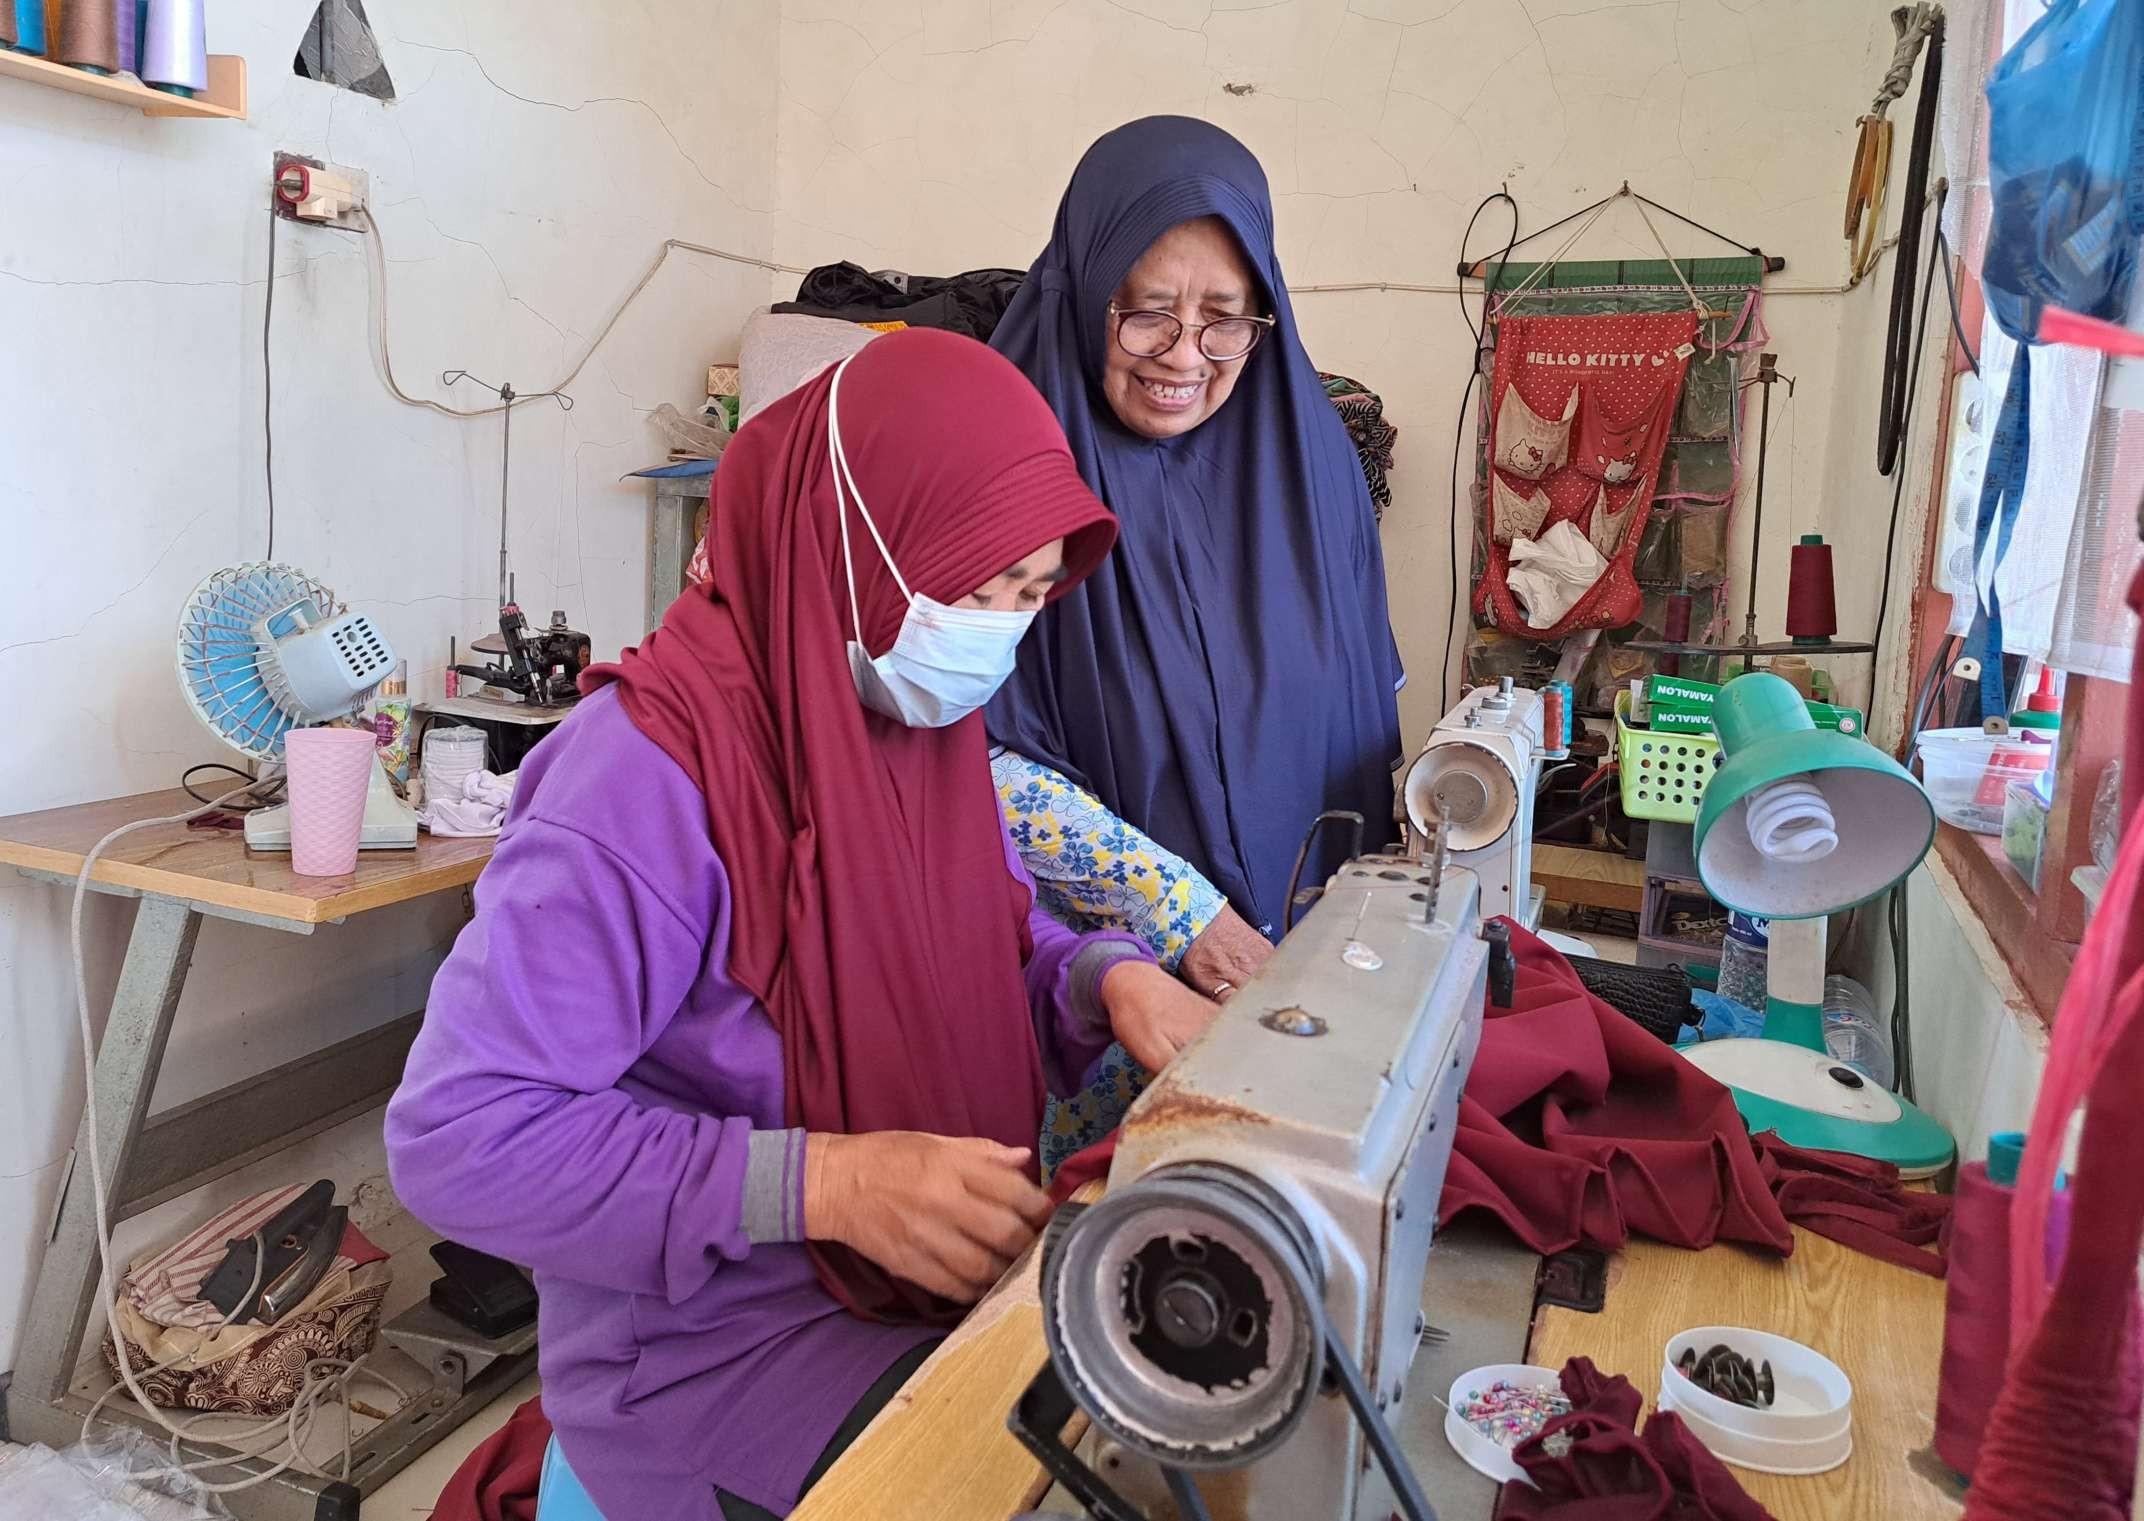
(973, 303)
(969, 304)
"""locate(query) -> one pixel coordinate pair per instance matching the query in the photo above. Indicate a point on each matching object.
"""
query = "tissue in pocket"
(1550, 574)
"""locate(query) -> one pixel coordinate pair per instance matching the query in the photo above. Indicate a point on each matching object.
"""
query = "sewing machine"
(1478, 773)
(1239, 1313)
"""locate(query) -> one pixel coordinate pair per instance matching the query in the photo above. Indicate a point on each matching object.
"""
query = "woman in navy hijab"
(1178, 721)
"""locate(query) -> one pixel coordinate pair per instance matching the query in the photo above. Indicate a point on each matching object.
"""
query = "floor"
(411, 1494)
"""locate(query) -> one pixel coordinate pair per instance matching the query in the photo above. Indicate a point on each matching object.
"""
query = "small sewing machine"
(1247, 1296)
(540, 666)
(1478, 773)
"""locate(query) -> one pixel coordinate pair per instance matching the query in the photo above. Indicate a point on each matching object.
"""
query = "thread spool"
(1552, 718)
(1677, 630)
(174, 47)
(87, 37)
(1812, 609)
(127, 16)
(1797, 673)
(1976, 1300)
(8, 28)
(30, 33)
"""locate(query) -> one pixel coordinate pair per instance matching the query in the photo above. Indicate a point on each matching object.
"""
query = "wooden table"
(180, 876)
(940, 1451)
(1882, 1324)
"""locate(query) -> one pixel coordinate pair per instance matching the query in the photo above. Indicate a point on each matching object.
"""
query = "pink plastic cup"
(330, 770)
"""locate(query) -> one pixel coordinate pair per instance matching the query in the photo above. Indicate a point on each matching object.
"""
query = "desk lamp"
(1799, 823)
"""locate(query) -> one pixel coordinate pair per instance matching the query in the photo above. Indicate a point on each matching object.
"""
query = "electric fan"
(264, 649)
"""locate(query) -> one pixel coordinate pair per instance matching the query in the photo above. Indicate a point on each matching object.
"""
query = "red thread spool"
(1552, 718)
(1976, 1314)
(1812, 611)
(1677, 630)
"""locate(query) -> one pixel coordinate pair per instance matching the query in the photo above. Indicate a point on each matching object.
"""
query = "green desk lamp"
(1799, 823)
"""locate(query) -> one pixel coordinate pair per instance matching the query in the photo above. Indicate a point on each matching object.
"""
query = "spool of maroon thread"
(1976, 1301)
(1812, 610)
(1677, 630)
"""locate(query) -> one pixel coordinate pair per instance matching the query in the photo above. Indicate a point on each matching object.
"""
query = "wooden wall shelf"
(225, 96)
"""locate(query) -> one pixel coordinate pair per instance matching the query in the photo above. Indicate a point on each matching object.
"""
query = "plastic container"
(1807, 1429)
(451, 755)
(1854, 1031)
(1663, 776)
(330, 773)
(1483, 1455)
(1965, 772)
(1745, 961)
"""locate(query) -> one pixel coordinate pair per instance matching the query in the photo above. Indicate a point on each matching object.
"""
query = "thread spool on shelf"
(1812, 606)
(88, 37)
(30, 33)
(174, 48)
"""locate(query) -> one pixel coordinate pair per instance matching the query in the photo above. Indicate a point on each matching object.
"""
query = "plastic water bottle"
(1854, 1032)
(1743, 960)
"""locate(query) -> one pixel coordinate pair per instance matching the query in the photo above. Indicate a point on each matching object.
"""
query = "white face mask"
(947, 661)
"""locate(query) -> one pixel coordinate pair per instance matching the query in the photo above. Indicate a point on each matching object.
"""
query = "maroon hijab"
(872, 911)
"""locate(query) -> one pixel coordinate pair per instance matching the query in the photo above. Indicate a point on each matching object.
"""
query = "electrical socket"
(327, 195)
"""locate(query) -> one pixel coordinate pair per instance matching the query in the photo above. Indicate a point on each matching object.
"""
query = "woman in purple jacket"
(746, 1048)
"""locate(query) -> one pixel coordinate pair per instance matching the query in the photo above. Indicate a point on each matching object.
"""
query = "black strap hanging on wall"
(1912, 212)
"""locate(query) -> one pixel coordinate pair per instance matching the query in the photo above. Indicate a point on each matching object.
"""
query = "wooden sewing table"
(940, 1451)
(180, 876)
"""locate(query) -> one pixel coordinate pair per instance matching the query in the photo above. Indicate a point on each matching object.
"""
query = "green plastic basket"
(1663, 776)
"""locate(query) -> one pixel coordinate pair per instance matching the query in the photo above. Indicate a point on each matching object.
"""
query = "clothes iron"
(295, 1249)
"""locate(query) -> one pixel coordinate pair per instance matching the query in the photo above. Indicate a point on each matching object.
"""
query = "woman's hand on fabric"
(1152, 1014)
(1226, 955)
(948, 1214)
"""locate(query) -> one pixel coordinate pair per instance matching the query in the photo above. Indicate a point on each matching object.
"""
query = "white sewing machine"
(1479, 772)
(1247, 1296)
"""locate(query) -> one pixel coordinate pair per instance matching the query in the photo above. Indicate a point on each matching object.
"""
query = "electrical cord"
(315, 1386)
(378, 242)
(268, 387)
(266, 789)
(1451, 615)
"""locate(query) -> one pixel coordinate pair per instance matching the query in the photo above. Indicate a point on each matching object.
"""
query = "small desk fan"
(264, 649)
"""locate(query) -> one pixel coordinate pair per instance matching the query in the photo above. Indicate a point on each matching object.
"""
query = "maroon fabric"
(1579, 1127)
(1608, 1472)
(2066, 1420)
(873, 912)
(499, 1478)
(1857, 1202)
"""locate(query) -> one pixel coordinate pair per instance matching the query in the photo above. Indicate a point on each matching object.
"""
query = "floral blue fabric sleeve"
(1092, 870)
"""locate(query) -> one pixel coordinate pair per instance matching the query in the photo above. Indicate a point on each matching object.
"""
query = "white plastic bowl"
(1761, 1454)
(1807, 1428)
(1483, 1455)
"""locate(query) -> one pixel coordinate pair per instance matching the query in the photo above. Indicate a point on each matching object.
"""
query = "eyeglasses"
(1149, 334)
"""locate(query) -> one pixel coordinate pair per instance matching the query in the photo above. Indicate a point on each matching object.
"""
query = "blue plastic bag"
(2066, 165)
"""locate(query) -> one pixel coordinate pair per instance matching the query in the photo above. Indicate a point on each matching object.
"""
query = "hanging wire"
(1451, 615)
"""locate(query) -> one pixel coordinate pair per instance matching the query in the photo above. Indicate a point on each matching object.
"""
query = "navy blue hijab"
(1229, 673)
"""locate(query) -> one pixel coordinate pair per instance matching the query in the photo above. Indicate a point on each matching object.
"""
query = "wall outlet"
(329, 195)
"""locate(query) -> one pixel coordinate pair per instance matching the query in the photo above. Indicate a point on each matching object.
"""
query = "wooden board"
(225, 96)
(1882, 1324)
(213, 867)
(1589, 878)
(939, 1451)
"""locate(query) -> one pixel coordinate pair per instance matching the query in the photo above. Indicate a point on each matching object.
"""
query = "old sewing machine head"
(1248, 1295)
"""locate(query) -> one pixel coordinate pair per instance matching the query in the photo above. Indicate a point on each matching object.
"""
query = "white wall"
(938, 137)
(538, 152)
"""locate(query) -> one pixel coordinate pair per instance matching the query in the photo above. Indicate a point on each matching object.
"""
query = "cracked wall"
(539, 153)
(937, 137)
